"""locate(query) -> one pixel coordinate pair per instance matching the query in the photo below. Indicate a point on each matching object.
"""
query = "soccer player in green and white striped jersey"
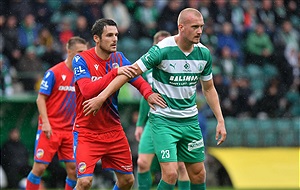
(146, 151)
(178, 63)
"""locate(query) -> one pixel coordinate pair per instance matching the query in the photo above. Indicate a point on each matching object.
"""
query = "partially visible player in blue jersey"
(179, 63)
(56, 105)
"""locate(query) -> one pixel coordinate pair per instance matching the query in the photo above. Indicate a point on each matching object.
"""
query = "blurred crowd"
(254, 43)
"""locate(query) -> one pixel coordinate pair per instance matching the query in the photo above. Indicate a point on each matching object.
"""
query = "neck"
(102, 54)
(183, 44)
(68, 63)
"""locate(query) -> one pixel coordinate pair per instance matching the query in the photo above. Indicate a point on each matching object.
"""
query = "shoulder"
(202, 48)
(167, 42)
(57, 68)
(88, 52)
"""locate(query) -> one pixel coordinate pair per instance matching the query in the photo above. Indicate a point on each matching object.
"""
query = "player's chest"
(99, 69)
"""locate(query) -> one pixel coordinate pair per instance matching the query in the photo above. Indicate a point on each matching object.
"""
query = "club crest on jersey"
(63, 77)
(39, 153)
(201, 65)
(82, 167)
(115, 65)
(187, 67)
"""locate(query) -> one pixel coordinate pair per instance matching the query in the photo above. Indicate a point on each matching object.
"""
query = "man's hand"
(220, 132)
(129, 71)
(138, 133)
(156, 98)
(46, 128)
(92, 105)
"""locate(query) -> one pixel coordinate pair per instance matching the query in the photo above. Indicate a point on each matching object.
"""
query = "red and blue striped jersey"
(58, 85)
(88, 64)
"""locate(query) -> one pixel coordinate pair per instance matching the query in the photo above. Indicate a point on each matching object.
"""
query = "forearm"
(212, 99)
(116, 84)
(91, 89)
(41, 104)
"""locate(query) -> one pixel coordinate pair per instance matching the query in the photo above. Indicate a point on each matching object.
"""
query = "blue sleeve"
(80, 68)
(126, 62)
(47, 83)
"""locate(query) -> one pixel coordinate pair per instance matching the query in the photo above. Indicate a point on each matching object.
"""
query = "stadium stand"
(253, 134)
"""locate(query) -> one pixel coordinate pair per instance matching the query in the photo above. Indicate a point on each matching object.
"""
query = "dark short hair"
(75, 40)
(98, 27)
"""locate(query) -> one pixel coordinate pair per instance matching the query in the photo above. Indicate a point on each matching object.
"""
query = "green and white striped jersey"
(176, 74)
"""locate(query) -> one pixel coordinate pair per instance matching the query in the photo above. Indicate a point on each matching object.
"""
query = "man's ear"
(96, 38)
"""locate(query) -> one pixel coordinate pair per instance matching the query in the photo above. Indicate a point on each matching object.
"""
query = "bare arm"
(41, 104)
(212, 99)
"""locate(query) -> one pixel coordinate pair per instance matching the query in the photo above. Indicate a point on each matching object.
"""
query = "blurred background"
(256, 70)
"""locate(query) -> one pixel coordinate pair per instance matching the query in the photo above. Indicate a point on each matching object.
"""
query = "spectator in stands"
(259, 47)
(293, 95)
(227, 63)
(28, 31)
(146, 17)
(50, 46)
(67, 12)
(6, 87)
(2, 21)
(92, 10)
(293, 10)
(250, 19)
(192, 4)
(266, 16)
(82, 29)
(29, 68)
(237, 18)
(242, 100)
(286, 42)
(220, 13)
(117, 11)
(14, 159)
(222, 87)
(42, 12)
(226, 38)
(280, 11)
(286, 35)
(20, 8)
(66, 31)
(210, 38)
(168, 17)
(11, 36)
(204, 8)
(4, 8)
(269, 104)
(132, 5)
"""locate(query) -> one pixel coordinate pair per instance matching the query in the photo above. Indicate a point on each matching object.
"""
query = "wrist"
(146, 96)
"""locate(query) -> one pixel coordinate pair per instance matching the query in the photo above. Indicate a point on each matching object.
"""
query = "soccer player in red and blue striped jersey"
(56, 105)
(101, 136)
